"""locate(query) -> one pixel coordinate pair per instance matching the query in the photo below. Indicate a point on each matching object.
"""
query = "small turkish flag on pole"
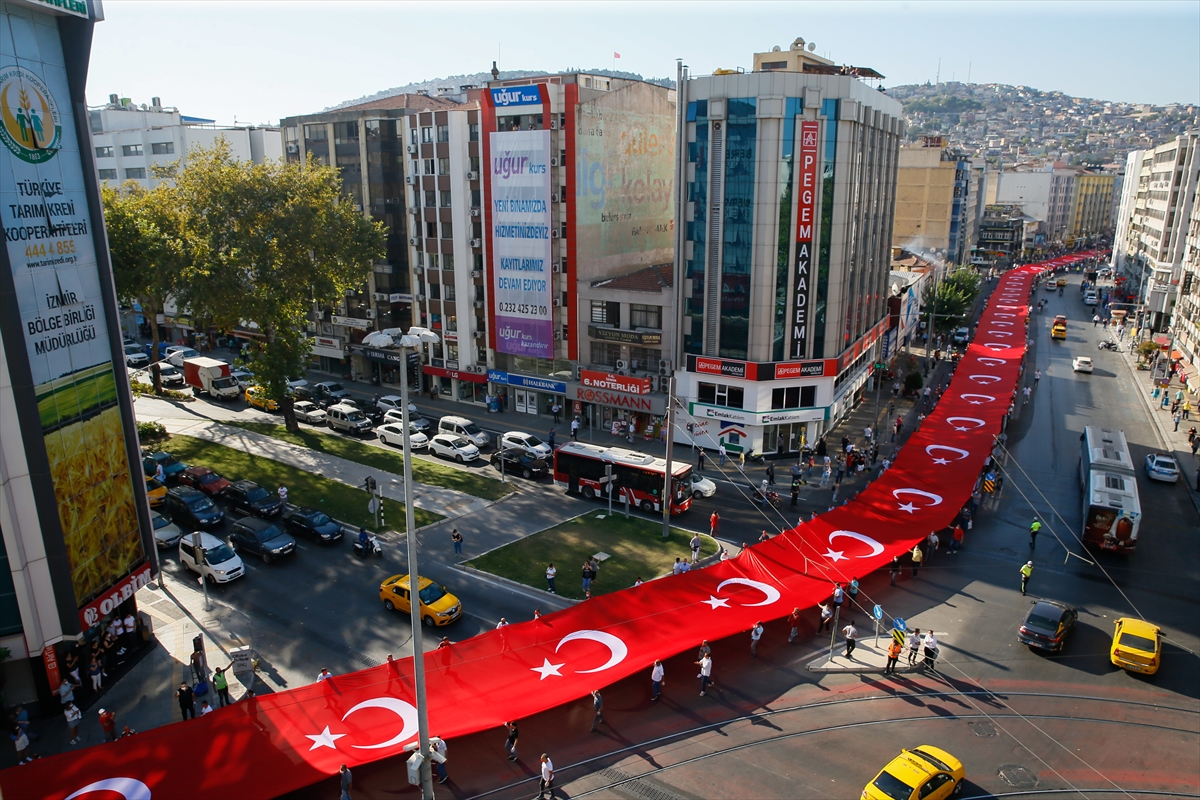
(616, 55)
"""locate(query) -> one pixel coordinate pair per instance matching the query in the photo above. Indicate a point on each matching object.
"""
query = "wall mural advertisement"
(47, 228)
(521, 243)
(625, 174)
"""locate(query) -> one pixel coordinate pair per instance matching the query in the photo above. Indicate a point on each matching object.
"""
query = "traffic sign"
(898, 636)
(877, 611)
(899, 624)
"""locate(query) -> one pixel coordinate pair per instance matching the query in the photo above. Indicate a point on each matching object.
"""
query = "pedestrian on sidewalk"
(755, 634)
(833, 495)
(1195, 445)
(346, 782)
(956, 538)
(546, 784)
(1034, 528)
(438, 745)
(108, 724)
(895, 570)
(556, 409)
(794, 624)
(838, 596)
(589, 575)
(771, 474)
(656, 679)
(934, 543)
(510, 741)
(221, 684)
(931, 650)
(1026, 574)
(1095, 320)
(575, 429)
(721, 454)
(826, 472)
(457, 539)
(914, 646)
(96, 673)
(826, 617)
(705, 676)
(851, 634)
(852, 590)
(893, 655)
(700, 460)
(550, 573)
(917, 558)
(695, 545)
(1037, 376)
(66, 693)
(74, 717)
(21, 741)
(187, 700)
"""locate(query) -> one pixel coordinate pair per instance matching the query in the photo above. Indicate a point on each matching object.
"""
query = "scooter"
(1108, 344)
(372, 548)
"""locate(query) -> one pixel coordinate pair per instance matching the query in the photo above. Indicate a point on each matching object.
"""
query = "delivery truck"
(210, 376)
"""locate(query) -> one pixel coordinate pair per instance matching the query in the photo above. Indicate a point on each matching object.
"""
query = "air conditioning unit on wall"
(622, 364)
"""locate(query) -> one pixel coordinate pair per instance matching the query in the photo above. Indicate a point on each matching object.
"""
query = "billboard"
(522, 288)
(625, 181)
(802, 281)
(57, 296)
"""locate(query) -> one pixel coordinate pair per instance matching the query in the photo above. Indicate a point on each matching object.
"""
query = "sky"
(256, 62)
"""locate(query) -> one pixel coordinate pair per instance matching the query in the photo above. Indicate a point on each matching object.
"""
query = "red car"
(204, 479)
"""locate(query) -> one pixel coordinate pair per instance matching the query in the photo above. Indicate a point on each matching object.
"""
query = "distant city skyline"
(256, 62)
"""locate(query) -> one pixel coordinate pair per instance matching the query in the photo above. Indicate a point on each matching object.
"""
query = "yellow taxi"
(1136, 645)
(156, 491)
(925, 772)
(257, 397)
(438, 606)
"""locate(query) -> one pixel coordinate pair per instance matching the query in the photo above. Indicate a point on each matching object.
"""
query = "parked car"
(1047, 625)
(256, 397)
(519, 462)
(155, 491)
(1082, 364)
(348, 419)
(311, 524)
(204, 479)
(924, 773)
(170, 376)
(438, 606)
(210, 557)
(415, 420)
(171, 465)
(247, 497)
(702, 486)
(450, 446)
(326, 390)
(166, 533)
(135, 356)
(244, 377)
(267, 540)
(961, 335)
(392, 402)
(177, 353)
(308, 411)
(191, 509)
(365, 405)
(527, 442)
(393, 433)
(1136, 645)
(461, 426)
(1162, 467)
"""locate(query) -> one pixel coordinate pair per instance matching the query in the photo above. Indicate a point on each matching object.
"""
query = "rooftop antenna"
(937, 81)
(495, 72)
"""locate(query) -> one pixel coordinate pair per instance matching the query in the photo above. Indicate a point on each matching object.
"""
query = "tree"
(148, 251)
(269, 241)
(955, 295)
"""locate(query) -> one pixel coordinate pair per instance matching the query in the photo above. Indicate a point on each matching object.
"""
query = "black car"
(326, 390)
(368, 407)
(312, 524)
(191, 509)
(265, 539)
(1047, 625)
(518, 462)
(250, 498)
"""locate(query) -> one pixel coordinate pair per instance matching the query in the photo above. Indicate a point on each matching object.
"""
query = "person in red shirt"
(956, 539)
(794, 624)
(108, 723)
(714, 522)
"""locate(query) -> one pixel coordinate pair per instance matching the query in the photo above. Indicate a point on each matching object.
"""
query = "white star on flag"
(941, 461)
(547, 669)
(716, 602)
(909, 507)
(323, 739)
(836, 555)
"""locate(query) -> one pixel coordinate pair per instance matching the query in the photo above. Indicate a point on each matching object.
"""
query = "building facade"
(933, 200)
(129, 140)
(788, 186)
(1001, 235)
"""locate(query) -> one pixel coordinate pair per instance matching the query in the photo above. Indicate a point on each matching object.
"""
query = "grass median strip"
(635, 546)
(368, 455)
(338, 500)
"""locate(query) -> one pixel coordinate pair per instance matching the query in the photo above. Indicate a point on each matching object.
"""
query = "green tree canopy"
(953, 300)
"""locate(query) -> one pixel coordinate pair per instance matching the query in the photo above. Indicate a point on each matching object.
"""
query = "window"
(451, 320)
(446, 199)
(345, 132)
(718, 394)
(644, 316)
(412, 135)
(429, 166)
(443, 165)
(447, 230)
(433, 260)
(794, 397)
(475, 198)
(131, 149)
(315, 133)
(431, 230)
(473, 131)
(605, 354)
(450, 293)
(430, 198)
(606, 313)
(644, 359)
(290, 133)
(104, 152)
(135, 173)
(108, 174)
(474, 162)
(448, 261)
(420, 258)
(443, 133)
(427, 135)
(435, 291)
(162, 148)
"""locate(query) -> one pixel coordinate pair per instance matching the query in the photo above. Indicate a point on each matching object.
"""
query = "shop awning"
(1175, 356)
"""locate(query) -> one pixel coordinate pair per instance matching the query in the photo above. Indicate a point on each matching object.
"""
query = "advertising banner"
(617, 383)
(521, 243)
(802, 281)
(48, 232)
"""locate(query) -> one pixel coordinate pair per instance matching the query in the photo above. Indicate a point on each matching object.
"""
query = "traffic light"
(369, 484)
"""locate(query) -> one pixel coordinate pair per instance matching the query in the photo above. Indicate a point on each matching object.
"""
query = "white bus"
(1112, 514)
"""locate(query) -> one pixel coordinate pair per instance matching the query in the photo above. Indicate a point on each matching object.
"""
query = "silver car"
(449, 445)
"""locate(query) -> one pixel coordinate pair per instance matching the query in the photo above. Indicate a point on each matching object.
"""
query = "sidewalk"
(869, 656)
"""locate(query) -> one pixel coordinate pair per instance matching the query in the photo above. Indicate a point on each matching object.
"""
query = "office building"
(1001, 235)
(786, 214)
(933, 200)
(130, 139)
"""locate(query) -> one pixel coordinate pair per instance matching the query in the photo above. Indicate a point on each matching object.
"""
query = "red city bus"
(580, 467)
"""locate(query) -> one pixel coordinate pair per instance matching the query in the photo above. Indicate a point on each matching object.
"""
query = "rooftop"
(419, 102)
(650, 279)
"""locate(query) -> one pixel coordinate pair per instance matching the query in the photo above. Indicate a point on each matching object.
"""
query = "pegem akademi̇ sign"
(615, 383)
(806, 195)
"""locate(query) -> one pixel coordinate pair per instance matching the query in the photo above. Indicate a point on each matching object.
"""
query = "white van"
(464, 427)
(349, 419)
(219, 563)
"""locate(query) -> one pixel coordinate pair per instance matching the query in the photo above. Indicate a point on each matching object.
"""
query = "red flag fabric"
(280, 742)
(616, 55)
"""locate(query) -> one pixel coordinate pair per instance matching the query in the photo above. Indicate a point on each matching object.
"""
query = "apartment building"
(786, 205)
(934, 199)
(1001, 235)
(130, 139)
(1091, 207)
(1185, 318)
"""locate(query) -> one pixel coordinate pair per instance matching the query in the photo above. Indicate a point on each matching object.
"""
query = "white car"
(449, 445)
(393, 433)
(392, 402)
(166, 533)
(702, 486)
(415, 421)
(135, 356)
(516, 440)
(308, 412)
(177, 353)
(1162, 467)
(1082, 364)
(171, 376)
(210, 557)
(244, 377)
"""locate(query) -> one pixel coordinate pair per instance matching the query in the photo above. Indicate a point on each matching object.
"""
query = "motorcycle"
(772, 497)
(372, 548)
(1108, 344)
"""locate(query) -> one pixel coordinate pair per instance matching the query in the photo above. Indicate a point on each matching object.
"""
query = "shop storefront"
(621, 405)
(329, 354)
(463, 385)
(526, 394)
(382, 367)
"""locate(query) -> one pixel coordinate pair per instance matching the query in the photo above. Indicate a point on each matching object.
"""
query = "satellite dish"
(812, 46)
(775, 49)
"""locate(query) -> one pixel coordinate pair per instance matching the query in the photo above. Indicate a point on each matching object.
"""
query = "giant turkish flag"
(280, 742)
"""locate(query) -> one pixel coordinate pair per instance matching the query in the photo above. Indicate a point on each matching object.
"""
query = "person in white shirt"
(283, 493)
(677, 567)
(755, 634)
(721, 453)
(705, 676)
(656, 679)
(684, 567)
(550, 573)
(130, 630)
(695, 544)
(547, 781)
(502, 623)
(851, 634)
(931, 649)
(324, 675)
(205, 708)
(438, 745)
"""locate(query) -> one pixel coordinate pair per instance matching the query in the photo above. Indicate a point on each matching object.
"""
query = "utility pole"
(668, 481)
